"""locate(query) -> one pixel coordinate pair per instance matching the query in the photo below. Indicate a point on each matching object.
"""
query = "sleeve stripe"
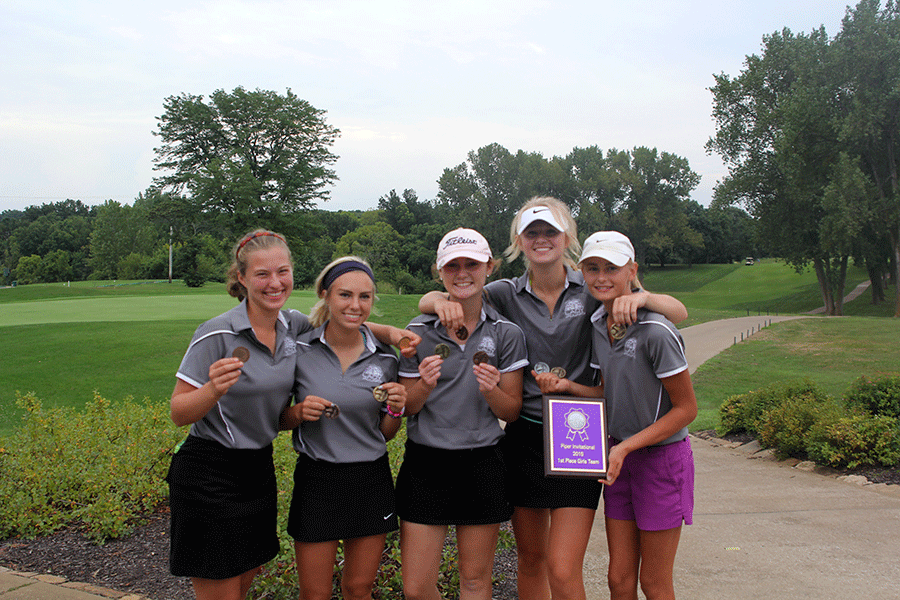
(211, 333)
(188, 380)
(516, 366)
(672, 372)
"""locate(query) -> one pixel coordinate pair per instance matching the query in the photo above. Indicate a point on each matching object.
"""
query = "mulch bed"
(139, 563)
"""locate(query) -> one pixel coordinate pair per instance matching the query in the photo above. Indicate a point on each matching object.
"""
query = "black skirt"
(523, 450)
(224, 510)
(452, 487)
(341, 501)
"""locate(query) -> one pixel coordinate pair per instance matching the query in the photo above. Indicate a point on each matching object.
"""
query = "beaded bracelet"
(395, 415)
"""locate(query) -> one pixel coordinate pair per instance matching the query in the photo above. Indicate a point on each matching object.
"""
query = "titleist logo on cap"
(459, 240)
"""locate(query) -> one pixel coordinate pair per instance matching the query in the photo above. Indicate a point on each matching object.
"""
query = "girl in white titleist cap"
(461, 381)
(553, 516)
(650, 402)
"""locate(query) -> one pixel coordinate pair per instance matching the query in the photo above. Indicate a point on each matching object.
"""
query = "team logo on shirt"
(290, 346)
(374, 374)
(573, 308)
(488, 346)
(630, 347)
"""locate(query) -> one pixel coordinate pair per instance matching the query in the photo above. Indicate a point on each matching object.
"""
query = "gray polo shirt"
(247, 416)
(632, 368)
(355, 435)
(560, 340)
(456, 415)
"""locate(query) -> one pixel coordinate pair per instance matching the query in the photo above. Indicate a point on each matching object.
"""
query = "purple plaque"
(575, 438)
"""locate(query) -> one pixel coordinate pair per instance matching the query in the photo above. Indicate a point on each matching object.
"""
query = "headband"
(255, 235)
(345, 267)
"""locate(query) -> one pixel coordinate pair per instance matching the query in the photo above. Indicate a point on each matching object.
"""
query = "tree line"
(810, 131)
(642, 192)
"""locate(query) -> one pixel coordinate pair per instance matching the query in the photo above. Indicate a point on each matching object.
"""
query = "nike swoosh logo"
(389, 516)
(537, 210)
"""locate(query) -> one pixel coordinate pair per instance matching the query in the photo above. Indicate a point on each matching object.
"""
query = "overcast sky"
(413, 86)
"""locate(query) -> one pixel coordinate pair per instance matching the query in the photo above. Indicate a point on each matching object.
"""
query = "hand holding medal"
(488, 375)
(551, 381)
(313, 408)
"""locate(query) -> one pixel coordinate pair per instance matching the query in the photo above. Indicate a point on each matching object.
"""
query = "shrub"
(100, 469)
(877, 397)
(785, 426)
(855, 440)
(742, 412)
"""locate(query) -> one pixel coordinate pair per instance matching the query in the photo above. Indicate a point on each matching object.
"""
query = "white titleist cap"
(611, 245)
(538, 213)
(463, 242)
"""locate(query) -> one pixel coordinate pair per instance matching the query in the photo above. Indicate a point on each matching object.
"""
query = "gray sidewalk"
(34, 586)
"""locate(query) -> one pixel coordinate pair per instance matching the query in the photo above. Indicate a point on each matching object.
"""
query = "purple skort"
(655, 488)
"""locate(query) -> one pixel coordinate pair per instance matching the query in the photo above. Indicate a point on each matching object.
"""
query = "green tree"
(654, 213)
(250, 156)
(119, 230)
(56, 266)
(28, 270)
(39, 230)
(600, 186)
(869, 55)
(728, 234)
(379, 244)
(777, 129)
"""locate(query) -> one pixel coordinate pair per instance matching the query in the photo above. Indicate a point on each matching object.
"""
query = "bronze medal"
(558, 371)
(617, 331)
(380, 394)
(462, 333)
(480, 357)
(404, 343)
(541, 367)
(332, 411)
(241, 353)
(442, 350)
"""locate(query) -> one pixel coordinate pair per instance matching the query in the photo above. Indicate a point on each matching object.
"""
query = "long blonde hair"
(258, 239)
(563, 216)
(320, 313)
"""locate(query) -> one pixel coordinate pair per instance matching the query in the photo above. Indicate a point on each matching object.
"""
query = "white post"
(170, 254)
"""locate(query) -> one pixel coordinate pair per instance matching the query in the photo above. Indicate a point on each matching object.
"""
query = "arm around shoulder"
(668, 306)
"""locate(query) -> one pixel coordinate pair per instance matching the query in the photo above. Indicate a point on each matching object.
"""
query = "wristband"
(395, 415)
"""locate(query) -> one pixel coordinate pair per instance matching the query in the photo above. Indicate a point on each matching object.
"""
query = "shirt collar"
(368, 338)
(240, 320)
(523, 283)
